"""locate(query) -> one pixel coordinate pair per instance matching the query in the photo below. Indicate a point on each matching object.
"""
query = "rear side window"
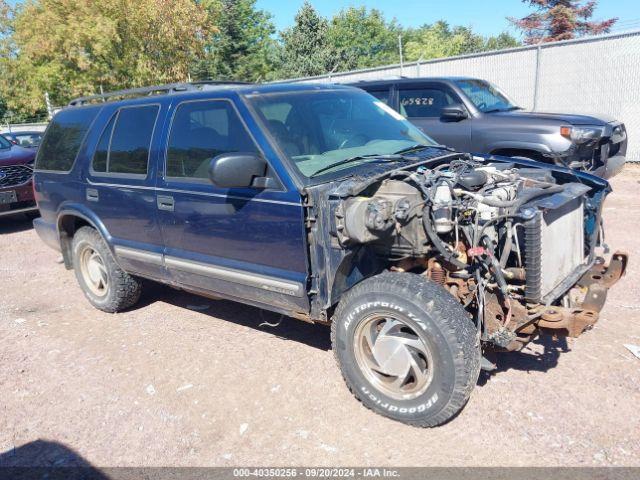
(201, 131)
(125, 142)
(424, 102)
(64, 137)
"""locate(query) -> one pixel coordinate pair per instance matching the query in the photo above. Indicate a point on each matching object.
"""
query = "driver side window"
(202, 130)
(424, 102)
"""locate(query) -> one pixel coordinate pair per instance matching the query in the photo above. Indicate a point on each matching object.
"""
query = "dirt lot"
(170, 384)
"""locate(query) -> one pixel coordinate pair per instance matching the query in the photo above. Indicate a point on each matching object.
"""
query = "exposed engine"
(509, 242)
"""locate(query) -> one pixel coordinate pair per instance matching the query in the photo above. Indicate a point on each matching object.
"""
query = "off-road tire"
(123, 290)
(440, 321)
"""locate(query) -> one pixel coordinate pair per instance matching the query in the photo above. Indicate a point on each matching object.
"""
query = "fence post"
(536, 85)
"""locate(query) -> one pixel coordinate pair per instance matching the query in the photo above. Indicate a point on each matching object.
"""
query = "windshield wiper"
(419, 146)
(381, 158)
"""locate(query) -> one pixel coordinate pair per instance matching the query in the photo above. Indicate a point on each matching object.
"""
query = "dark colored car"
(472, 115)
(323, 204)
(16, 173)
(26, 139)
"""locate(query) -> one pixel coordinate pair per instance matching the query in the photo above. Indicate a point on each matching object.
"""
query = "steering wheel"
(481, 106)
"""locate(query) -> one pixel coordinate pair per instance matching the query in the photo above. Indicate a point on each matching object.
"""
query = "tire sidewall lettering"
(434, 398)
(387, 405)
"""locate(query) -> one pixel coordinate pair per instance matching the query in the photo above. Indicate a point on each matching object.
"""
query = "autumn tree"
(556, 20)
(73, 47)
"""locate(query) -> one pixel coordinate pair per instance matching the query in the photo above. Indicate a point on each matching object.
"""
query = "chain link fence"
(597, 75)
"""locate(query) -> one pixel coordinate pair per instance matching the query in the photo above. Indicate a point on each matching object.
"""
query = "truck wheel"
(406, 348)
(106, 285)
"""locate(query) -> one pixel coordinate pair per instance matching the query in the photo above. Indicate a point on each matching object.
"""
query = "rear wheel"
(406, 348)
(104, 283)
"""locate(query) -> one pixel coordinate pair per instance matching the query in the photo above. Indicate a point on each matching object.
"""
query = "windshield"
(486, 97)
(4, 143)
(319, 129)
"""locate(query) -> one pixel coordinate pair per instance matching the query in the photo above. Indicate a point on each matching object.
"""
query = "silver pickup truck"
(472, 115)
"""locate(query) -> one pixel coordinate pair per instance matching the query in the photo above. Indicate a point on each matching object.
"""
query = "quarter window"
(102, 150)
(200, 132)
(424, 102)
(64, 137)
(125, 142)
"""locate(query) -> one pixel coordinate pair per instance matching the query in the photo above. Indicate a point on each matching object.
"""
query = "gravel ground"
(183, 381)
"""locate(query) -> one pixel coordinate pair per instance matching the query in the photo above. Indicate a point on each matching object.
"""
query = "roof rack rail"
(153, 90)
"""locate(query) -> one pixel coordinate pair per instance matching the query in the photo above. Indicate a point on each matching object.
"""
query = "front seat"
(284, 138)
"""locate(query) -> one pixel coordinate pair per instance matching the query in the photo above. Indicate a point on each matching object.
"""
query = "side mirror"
(454, 113)
(239, 170)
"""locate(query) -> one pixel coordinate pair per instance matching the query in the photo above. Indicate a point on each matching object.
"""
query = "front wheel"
(406, 348)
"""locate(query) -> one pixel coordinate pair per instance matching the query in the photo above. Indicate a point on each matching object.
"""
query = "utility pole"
(401, 56)
(331, 72)
(48, 104)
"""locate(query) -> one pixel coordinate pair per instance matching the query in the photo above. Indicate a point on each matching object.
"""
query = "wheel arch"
(353, 269)
(535, 151)
(70, 219)
(521, 152)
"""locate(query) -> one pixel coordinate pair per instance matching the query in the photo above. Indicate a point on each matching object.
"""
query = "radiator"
(554, 250)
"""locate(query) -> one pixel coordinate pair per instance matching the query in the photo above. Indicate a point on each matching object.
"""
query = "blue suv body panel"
(244, 244)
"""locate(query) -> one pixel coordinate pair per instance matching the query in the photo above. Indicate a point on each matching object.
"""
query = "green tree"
(501, 42)
(361, 38)
(242, 48)
(440, 40)
(556, 20)
(305, 47)
(72, 47)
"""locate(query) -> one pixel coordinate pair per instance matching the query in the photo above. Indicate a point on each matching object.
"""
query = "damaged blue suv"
(324, 204)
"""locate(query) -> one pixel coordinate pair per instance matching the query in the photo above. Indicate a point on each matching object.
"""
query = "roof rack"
(167, 89)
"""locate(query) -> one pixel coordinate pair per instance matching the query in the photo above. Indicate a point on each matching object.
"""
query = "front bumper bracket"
(595, 283)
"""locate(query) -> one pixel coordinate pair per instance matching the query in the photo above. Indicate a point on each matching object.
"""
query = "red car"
(16, 174)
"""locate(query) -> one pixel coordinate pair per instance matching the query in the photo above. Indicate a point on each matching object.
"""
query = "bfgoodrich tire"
(406, 348)
(104, 283)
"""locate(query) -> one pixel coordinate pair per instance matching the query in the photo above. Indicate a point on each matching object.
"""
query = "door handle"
(92, 195)
(165, 203)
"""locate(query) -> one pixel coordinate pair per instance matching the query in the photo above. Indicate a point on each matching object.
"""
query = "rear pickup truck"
(472, 115)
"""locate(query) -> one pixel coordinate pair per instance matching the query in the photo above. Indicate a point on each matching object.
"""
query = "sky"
(487, 17)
